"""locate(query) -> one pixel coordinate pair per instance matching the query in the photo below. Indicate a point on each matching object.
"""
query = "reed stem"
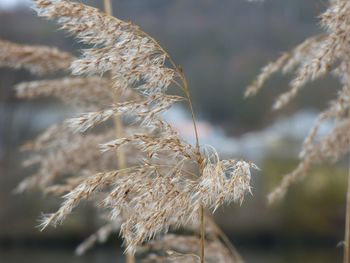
(118, 124)
(347, 221)
(200, 165)
(347, 225)
(236, 256)
(107, 4)
(202, 234)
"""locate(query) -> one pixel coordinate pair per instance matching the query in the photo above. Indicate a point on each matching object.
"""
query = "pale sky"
(10, 4)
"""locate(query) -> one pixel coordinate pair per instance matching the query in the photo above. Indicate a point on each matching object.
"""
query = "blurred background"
(222, 45)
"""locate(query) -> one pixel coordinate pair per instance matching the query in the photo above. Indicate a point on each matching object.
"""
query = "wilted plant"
(328, 53)
(167, 182)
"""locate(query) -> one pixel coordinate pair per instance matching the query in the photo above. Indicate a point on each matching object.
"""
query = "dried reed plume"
(31, 58)
(79, 92)
(166, 182)
(317, 56)
(174, 180)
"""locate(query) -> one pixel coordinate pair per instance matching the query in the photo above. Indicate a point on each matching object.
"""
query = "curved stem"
(200, 165)
(236, 256)
(188, 96)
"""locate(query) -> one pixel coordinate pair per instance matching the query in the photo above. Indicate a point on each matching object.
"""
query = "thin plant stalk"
(202, 234)
(200, 162)
(347, 225)
(107, 4)
(237, 257)
(118, 123)
(347, 221)
(222, 235)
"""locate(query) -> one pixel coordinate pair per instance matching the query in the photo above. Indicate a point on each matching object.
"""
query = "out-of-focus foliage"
(220, 44)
